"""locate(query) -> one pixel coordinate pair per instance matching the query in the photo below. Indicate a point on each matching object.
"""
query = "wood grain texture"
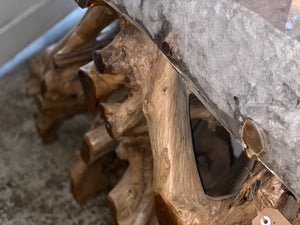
(180, 168)
(55, 73)
(218, 52)
(158, 110)
(179, 196)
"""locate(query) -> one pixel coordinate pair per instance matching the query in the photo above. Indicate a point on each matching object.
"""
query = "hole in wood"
(219, 165)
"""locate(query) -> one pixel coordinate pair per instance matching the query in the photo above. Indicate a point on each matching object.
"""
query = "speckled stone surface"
(34, 178)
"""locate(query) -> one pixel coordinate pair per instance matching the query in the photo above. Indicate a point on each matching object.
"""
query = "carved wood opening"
(220, 171)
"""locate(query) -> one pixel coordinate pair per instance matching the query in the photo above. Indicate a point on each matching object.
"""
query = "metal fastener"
(253, 139)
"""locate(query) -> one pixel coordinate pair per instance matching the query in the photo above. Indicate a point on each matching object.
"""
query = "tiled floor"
(34, 178)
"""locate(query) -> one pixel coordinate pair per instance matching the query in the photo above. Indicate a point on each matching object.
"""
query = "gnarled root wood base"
(167, 172)
(179, 196)
(157, 127)
(98, 146)
(89, 179)
(54, 79)
(131, 200)
(97, 166)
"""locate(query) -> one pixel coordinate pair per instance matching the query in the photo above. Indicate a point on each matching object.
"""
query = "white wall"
(22, 21)
(10, 8)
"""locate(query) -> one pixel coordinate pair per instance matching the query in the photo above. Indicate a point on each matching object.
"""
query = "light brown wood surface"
(180, 168)
(54, 79)
(178, 191)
